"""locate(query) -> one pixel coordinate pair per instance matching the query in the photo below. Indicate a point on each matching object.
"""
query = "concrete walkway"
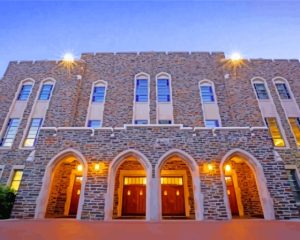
(56, 229)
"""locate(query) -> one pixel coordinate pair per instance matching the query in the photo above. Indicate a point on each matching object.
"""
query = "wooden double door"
(134, 200)
(231, 196)
(172, 200)
(75, 196)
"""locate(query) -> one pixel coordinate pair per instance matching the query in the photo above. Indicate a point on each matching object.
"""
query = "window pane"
(24, 93)
(211, 123)
(283, 91)
(94, 123)
(45, 92)
(141, 121)
(294, 182)
(98, 94)
(275, 132)
(295, 125)
(141, 90)
(163, 90)
(33, 131)
(164, 122)
(10, 132)
(15, 183)
(261, 91)
(207, 94)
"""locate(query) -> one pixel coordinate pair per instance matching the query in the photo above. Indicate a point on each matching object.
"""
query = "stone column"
(154, 211)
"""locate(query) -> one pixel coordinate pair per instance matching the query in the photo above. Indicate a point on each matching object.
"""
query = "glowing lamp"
(79, 168)
(227, 168)
(97, 167)
(210, 167)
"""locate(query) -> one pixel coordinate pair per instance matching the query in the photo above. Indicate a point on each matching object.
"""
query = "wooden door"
(134, 200)
(232, 196)
(75, 196)
(172, 200)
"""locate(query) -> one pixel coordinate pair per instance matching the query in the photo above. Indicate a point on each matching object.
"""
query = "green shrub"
(7, 199)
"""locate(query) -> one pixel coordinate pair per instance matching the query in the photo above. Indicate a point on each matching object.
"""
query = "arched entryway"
(63, 186)
(128, 195)
(245, 190)
(179, 186)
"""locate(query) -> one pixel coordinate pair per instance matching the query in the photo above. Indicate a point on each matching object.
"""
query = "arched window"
(260, 89)
(46, 90)
(25, 90)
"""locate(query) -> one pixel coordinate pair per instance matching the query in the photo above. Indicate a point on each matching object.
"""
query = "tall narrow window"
(94, 123)
(163, 90)
(283, 91)
(295, 124)
(98, 94)
(261, 91)
(10, 132)
(45, 92)
(211, 123)
(295, 184)
(207, 94)
(33, 131)
(275, 132)
(141, 90)
(25, 92)
(16, 180)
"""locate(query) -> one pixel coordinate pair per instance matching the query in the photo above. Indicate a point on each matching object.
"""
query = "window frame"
(93, 120)
(215, 120)
(255, 82)
(6, 131)
(35, 139)
(137, 79)
(164, 76)
(212, 93)
(160, 120)
(279, 130)
(290, 168)
(139, 120)
(93, 97)
(19, 97)
(12, 171)
(50, 92)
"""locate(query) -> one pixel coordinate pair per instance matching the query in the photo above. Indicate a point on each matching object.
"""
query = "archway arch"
(195, 183)
(112, 172)
(42, 200)
(251, 162)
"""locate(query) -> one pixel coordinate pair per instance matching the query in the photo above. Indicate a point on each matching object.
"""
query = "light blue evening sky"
(46, 29)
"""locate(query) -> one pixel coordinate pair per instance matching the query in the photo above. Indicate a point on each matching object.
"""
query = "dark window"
(163, 90)
(10, 132)
(46, 92)
(295, 185)
(283, 91)
(164, 122)
(94, 123)
(32, 134)
(141, 121)
(211, 123)
(141, 90)
(207, 94)
(98, 94)
(261, 91)
(25, 92)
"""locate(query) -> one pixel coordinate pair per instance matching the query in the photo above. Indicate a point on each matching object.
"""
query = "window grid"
(94, 123)
(295, 125)
(16, 180)
(33, 131)
(207, 94)
(141, 122)
(275, 132)
(141, 90)
(295, 185)
(25, 92)
(45, 92)
(10, 133)
(211, 123)
(261, 91)
(98, 94)
(163, 90)
(283, 91)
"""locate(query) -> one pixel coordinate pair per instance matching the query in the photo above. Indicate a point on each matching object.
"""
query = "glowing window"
(141, 90)
(275, 132)
(295, 124)
(33, 131)
(283, 91)
(171, 180)
(10, 133)
(46, 92)
(16, 180)
(25, 92)
(135, 180)
(261, 91)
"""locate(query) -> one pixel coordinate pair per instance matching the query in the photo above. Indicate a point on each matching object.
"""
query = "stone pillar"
(154, 211)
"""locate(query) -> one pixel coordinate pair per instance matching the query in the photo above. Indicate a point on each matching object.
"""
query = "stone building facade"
(158, 158)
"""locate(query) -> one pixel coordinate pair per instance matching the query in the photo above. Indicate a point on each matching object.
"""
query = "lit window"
(207, 94)
(94, 123)
(141, 90)
(211, 123)
(283, 91)
(164, 122)
(16, 180)
(295, 124)
(98, 94)
(46, 92)
(261, 91)
(33, 131)
(10, 133)
(295, 184)
(25, 92)
(141, 121)
(163, 90)
(275, 132)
